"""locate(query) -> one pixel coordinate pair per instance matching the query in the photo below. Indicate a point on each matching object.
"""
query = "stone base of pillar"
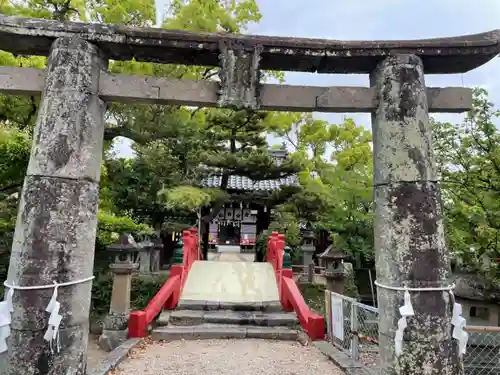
(114, 332)
(307, 256)
(335, 282)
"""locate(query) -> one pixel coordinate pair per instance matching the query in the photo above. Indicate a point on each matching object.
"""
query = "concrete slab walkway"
(230, 282)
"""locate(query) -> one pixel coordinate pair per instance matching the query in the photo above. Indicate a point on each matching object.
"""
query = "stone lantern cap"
(306, 229)
(147, 244)
(124, 244)
(332, 253)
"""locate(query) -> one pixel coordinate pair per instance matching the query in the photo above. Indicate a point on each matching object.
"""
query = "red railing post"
(176, 270)
(280, 247)
(137, 324)
(186, 239)
(278, 251)
(196, 238)
(270, 246)
(316, 327)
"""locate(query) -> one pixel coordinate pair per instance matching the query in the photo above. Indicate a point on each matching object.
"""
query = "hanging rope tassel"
(405, 311)
(52, 333)
(459, 322)
(6, 310)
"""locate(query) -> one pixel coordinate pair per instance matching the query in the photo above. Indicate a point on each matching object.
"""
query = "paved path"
(242, 357)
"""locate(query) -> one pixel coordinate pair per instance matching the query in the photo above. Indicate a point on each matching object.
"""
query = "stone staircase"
(226, 321)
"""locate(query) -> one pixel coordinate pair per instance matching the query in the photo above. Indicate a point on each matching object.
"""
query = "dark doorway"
(229, 234)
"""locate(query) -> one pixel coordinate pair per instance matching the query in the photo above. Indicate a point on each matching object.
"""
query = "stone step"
(209, 331)
(228, 248)
(199, 317)
(264, 306)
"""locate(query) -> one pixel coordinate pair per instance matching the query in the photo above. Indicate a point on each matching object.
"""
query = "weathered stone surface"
(270, 306)
(116, 320)
(164, 318)
(57, 218)
(74, 65)
(198, 317)
(53, 241)
(222, 331)
(162, 90)
(69, 129)
(271, 333)
(39, 360)
(402, 140)
(111, 339)
(187, 317)
(239, 76)
(409, 240)
(69, 141)
(440, 55)
(115, 357)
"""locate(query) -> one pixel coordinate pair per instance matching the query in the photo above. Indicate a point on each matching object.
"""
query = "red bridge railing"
(169, 294)
(290, 296)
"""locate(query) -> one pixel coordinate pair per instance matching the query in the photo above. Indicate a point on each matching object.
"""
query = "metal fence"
(353, 328)
(483, 351)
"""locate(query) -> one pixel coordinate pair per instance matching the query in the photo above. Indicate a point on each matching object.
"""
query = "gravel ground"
(227, 357)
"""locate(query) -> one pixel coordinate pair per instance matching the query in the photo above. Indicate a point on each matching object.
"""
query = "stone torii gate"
(56, 225)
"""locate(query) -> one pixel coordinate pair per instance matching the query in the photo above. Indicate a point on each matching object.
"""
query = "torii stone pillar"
(409, 238)
(56, 223)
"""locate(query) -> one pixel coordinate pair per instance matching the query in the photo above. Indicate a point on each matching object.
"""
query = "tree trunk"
(57, 216)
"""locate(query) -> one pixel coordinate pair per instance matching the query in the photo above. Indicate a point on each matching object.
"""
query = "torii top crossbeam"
(439, 55)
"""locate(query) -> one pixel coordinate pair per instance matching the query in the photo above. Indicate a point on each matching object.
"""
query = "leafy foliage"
(468, 157)
(336, 179)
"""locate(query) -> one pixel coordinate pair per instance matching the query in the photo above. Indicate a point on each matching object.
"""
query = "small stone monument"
(145, 249)
(116, 322)
(308, 249)
(155, 254)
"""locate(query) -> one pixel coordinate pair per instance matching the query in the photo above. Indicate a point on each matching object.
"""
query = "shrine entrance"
(230, 234)
(54, 240)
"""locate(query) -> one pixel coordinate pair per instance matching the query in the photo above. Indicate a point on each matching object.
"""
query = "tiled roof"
(246, 184)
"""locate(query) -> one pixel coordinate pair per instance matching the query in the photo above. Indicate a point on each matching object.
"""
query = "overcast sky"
(379, 19)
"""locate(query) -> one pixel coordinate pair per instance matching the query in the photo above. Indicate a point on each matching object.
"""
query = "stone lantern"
(336, 269)
(308, 247)
(116, 322)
